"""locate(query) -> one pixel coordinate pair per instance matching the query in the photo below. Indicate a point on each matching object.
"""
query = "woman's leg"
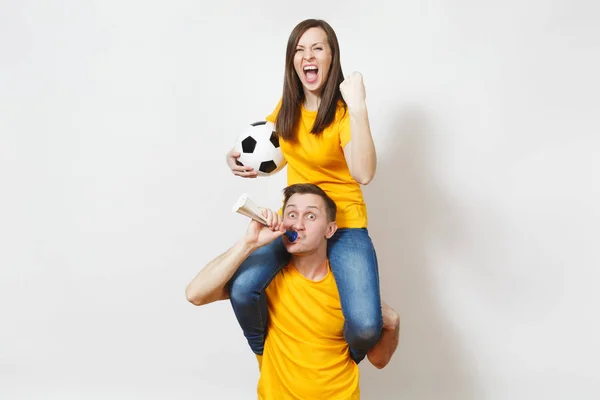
(353, 262)
(246, 290)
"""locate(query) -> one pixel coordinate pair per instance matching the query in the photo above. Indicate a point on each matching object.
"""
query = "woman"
(325, 137)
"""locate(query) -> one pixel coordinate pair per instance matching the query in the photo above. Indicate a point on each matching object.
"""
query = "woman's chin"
(313, 88)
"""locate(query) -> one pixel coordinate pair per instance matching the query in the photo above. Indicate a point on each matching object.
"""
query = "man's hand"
(391, 319)
(258, 235)
(381, 354)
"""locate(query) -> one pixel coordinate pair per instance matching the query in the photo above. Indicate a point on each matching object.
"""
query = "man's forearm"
(209, 284)
(381, 354)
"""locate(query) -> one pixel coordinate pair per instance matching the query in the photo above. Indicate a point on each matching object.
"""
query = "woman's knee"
(242, 290)
(255, 273)
(242, 298)
(363, 333)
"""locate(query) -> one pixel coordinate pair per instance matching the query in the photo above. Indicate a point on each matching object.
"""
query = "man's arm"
(381, 354)
(209, 284)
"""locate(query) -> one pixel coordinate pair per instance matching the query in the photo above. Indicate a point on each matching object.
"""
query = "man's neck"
(312, 266)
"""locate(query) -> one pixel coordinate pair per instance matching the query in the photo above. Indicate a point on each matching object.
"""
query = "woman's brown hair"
(293, 93)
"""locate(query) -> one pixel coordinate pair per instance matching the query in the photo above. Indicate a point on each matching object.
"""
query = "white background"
(114, 120)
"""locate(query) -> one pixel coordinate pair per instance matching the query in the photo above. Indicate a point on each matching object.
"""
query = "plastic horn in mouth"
(246, 207)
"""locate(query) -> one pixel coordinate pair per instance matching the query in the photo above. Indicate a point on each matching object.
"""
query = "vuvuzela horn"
(246, 207)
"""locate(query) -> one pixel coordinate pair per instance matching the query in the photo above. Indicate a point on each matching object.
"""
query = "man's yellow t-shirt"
(320, 160)
(305, 354)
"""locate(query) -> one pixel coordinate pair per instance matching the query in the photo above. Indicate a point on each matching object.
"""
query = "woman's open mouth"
(311, 73)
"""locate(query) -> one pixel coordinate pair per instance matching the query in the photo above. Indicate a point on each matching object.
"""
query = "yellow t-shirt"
(320, 160)
(306, 356)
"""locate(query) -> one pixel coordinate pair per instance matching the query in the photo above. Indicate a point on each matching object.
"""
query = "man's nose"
(298, 224)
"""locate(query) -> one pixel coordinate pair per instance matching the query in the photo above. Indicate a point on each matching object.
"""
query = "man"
(305, 354)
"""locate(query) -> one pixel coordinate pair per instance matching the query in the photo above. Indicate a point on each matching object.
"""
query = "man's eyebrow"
(293, 205)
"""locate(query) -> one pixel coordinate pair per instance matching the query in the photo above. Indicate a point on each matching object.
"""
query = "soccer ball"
(259, 148)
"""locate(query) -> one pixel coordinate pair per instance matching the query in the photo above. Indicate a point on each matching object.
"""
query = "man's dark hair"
(309, 188)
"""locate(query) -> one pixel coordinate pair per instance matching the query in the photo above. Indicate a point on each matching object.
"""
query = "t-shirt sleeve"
(345, 133)
(271, 117)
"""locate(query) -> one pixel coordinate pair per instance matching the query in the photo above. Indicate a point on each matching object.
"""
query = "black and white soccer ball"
(258, 146)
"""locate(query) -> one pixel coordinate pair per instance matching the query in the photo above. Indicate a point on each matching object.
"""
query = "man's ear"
(331, 228)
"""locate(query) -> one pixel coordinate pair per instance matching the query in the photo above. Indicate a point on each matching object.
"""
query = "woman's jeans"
(353, 262)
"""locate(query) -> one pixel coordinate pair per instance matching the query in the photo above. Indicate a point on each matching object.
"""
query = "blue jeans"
(353, 261)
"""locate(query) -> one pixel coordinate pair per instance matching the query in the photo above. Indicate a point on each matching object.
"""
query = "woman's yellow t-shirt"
(305, 355)
(320, 160)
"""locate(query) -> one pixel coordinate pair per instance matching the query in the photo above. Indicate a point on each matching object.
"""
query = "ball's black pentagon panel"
(274, 139)
(267, 166)
(248, 145)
